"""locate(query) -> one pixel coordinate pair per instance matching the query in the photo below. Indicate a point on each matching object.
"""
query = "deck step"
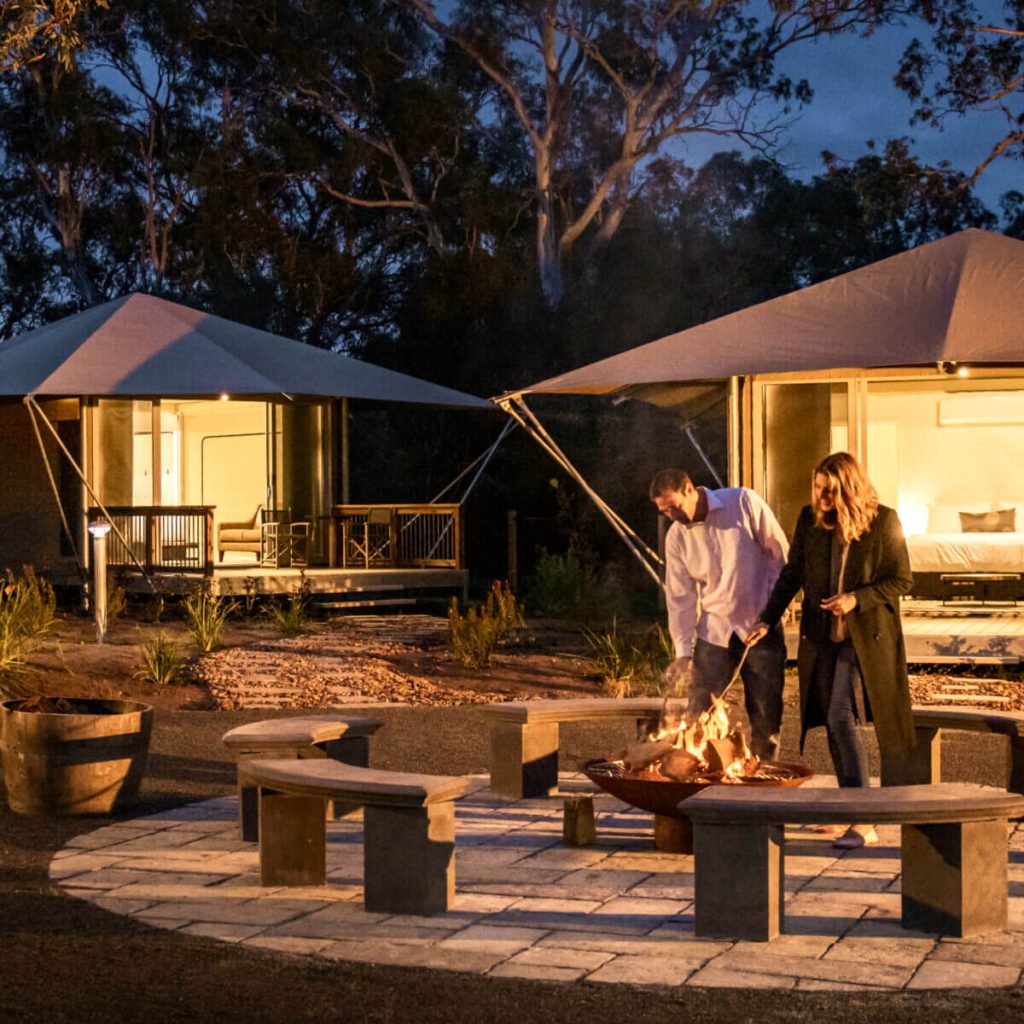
(365, 603)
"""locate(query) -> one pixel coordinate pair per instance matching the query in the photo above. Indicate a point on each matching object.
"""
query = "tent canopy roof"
(141, 345)
(959, 299)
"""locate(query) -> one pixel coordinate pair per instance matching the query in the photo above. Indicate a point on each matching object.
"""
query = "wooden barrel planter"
(75, 756)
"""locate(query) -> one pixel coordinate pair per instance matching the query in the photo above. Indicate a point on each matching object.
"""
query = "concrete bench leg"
(925, 765)
(409, 859)
(1015, 765)
(738, 881)
(348, 750)
(955, 877)
(524, 760)
(293, 839)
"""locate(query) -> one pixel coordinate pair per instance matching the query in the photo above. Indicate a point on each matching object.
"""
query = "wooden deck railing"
(397, 536)
(174, 538)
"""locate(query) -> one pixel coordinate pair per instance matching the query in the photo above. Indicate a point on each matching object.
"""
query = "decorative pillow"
(1001, 520)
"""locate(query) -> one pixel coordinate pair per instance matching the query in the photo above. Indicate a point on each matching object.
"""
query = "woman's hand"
(758, 631)
(840, 604)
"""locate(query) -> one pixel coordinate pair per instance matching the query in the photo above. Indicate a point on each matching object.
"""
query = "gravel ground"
(62, 960)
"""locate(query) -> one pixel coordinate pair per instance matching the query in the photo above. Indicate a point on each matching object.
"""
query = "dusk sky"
(855, 100)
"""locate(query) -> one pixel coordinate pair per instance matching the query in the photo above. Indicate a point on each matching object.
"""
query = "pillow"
(1001, 520)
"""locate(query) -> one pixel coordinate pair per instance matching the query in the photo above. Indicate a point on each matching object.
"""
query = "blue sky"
(855, 100)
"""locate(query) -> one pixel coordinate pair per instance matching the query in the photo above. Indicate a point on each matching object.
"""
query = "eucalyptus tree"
(599, 89)
(973, 63)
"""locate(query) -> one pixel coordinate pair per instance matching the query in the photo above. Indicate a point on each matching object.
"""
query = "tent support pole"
(571, 469)
(32, 403)
(688, 430)
(532, 426)
(56, 496)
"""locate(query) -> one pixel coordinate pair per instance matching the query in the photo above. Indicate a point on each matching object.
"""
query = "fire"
(709, 749)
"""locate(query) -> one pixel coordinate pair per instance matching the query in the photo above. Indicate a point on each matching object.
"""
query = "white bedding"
(966, 552)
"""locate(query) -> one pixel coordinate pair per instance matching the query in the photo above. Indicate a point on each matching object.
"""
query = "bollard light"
(99, 530)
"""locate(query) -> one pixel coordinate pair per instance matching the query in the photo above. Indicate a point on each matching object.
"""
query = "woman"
(849, 556)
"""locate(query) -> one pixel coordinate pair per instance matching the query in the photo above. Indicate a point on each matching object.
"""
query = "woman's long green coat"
(878, 574)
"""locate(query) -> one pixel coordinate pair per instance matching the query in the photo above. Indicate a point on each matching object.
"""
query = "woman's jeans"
(844, 743)
(763, 675)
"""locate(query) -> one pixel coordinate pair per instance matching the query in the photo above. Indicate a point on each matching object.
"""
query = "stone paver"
(528, 907)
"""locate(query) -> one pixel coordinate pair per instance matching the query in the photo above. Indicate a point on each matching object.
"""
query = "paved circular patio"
(529, 907)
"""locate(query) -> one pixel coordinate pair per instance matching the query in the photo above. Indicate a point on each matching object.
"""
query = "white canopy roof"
(140, 345)
(960, 299)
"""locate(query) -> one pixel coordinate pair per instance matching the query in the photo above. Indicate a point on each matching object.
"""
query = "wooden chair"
(372, 541)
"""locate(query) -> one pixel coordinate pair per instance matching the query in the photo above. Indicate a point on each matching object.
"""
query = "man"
(723, 553)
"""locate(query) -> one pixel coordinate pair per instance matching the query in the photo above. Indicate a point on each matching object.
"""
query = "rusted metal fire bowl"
(663, 796)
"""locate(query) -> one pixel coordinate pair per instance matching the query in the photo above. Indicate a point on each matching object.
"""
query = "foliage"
(27, 608)
(505, 609)
(161, 661)
(972, 65)
(117, 603)
(474, 635)
(563, 586)
(206, 614)
(291, 616)
(31, 28)
(629, 661)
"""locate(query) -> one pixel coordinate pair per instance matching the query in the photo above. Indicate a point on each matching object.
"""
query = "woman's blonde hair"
(854, 499)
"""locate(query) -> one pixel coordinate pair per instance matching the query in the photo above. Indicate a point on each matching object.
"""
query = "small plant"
(161, 661)
(27, 608)
(206, 615)
(251, 587)
(629, 662)
(292, 616)
(117, 603)
(503, 606)
(473, 636)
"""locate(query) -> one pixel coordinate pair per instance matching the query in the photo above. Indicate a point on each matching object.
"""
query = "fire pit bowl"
(662, 796)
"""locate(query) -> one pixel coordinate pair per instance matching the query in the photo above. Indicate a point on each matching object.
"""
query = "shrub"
(292, 616)
(161, 661)
(27, 608)
(117, 603)
(206, 615)
(473, 636)
(503, 606)
(563, 586)
(629, 662)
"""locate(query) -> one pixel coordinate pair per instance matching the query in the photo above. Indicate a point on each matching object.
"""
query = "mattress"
(966, 552)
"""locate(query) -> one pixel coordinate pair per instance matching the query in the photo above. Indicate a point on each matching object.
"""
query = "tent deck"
(241, 579)
(955, 633)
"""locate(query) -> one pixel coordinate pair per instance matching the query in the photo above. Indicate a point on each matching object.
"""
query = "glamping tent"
(914, 363)
(208, 444)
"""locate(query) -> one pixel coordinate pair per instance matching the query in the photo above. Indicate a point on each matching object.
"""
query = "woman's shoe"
(857, 836)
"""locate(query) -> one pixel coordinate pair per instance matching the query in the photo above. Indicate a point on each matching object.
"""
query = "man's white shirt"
(726, 566)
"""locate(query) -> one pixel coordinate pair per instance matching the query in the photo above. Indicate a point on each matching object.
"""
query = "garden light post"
(99, 530)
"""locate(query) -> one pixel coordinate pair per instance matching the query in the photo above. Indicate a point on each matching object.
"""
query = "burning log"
(641, 755)
(721, 753)
(680, 765)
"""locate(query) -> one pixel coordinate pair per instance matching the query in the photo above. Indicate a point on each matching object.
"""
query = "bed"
(966, 542)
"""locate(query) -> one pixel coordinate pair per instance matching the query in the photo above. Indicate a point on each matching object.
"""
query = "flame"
(719, 748)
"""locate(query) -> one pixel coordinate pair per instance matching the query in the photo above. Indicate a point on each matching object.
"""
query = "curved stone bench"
(930, 721)
(408, 829)
(953, 852)
(338, 737)
(524, 737)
